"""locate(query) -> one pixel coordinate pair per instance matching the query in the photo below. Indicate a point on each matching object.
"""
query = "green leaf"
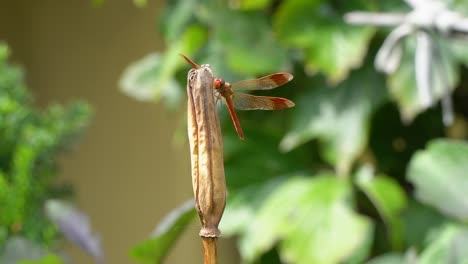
(48, 259)
(460, 6)
(338, 118)
(250, 4)
(389, 258)
(363, 252)
(4, 52)
(458, 48)
(155, 249)
(3, 232)
(440, 176)
(389, 199)
(140, 3)
(175, 18)
(142, 79)
(312, 220)
(152, 78)
(393, 6)
(248, 42)
(242, 205)
(448, 246)
(29, 141)
(37, 140)
(214, 54)
(402, 83)
(331, 46)
(418, 221)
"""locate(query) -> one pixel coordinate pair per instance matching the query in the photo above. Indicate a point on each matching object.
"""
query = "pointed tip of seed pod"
(191, 62)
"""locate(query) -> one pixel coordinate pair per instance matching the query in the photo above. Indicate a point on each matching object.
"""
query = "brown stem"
(210, 252)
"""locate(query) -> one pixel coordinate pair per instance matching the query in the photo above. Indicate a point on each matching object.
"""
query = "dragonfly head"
(218, 83)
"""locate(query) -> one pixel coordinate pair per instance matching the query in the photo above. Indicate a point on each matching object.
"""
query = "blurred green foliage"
(358, 171)
(154, 250)
(138, 3)
(30, 140)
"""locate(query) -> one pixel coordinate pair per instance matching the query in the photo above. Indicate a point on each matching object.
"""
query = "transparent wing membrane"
(252, 102)
(264, 83)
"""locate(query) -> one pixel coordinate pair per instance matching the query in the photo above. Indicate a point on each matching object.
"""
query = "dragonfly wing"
(264, 83)
(252, 102)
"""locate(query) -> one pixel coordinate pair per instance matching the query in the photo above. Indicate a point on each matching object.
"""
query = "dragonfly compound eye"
(218, 83)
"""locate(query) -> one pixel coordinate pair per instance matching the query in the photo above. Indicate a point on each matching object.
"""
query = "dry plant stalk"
(206, 152)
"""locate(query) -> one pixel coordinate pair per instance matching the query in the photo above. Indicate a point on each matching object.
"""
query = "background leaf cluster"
(357, 172)
(29, 142)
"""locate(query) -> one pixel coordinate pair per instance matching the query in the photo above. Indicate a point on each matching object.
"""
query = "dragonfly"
(242, 101)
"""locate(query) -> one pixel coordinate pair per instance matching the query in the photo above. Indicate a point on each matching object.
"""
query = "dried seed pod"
(206, 150)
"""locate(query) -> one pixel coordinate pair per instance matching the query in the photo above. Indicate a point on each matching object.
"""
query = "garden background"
(361, 170)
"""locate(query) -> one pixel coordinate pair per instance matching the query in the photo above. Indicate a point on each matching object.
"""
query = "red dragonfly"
(242, 101)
